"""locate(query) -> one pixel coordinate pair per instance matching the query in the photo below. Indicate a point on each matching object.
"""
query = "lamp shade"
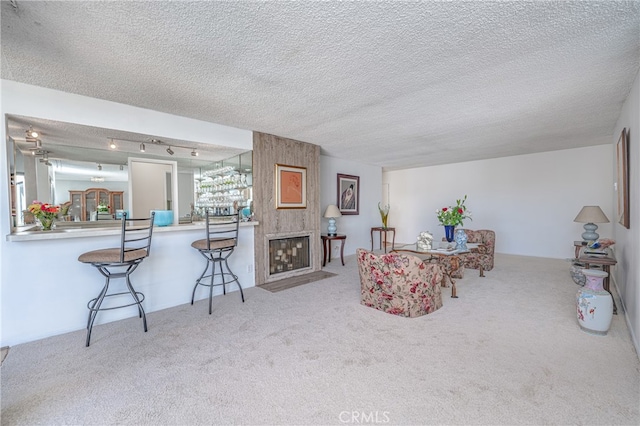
(332, 211)
(591, 214)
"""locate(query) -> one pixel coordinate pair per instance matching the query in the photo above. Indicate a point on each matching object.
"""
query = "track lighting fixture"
(143, 148)
(45, 158)
(121, 167)
(99, 166)
(37, 146)
(32, 133)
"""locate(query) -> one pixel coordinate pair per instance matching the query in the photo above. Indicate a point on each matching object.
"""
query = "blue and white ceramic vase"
(461, 239)
(448, 232)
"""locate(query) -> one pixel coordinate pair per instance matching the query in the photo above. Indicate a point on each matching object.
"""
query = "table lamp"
(590, 215)
(331, 213)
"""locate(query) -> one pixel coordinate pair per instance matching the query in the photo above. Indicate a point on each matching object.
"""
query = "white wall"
(355, 227)
(627, 273)
(44, 288)
(529, 200)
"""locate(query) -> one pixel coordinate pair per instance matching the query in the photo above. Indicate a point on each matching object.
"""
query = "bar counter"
(66, 230)
(45, 289)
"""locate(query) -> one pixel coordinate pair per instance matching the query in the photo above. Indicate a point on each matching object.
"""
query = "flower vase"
(384, 214)
(461, 239)
(448, 232)
(384, 220)
(46, 224)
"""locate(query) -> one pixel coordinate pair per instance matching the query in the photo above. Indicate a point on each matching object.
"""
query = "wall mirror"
(86, 170)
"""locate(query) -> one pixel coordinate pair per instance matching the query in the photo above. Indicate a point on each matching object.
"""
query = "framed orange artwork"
(291, 187)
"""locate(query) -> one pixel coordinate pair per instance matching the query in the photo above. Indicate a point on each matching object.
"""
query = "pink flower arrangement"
(45, 213)
(43, 210)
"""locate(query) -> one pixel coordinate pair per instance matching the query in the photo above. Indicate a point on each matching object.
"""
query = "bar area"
(45, 289)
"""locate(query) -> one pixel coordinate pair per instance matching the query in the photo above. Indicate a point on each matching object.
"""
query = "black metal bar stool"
(222, 238)
(135, 245)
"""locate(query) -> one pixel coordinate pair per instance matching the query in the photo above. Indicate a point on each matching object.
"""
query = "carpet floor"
(507, 351)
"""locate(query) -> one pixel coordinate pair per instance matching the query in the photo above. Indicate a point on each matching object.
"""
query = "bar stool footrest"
(93, 301)
(230, 281)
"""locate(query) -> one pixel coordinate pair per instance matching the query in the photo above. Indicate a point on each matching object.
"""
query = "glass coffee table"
(447, 257)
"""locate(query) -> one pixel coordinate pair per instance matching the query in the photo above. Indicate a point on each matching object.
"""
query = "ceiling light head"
(170, 151)
(32, 133)
(142, 147)
(112, 144)
(194, 153)
(99, 166)
(121, 167)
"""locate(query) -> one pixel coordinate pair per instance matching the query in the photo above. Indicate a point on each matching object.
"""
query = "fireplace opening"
(288, 254)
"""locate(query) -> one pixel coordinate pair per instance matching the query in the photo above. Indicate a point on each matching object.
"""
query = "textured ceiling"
(394, 84)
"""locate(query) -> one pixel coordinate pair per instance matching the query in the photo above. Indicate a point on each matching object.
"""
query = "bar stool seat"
(221, 239)
(135, 245)
(214, 244)
(111, 255)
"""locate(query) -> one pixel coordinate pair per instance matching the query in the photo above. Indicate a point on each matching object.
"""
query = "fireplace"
(288, 254)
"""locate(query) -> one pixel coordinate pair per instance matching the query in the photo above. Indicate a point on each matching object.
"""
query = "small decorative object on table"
(424, 241)
(452, 216)
(45, 213)
(162, 217)
(103, 208)
(384, 214)
(603, 243)
(461, 239)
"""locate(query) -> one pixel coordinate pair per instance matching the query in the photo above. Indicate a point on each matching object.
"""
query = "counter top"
(28, 234)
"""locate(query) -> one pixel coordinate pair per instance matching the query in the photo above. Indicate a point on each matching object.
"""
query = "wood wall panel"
(269, 150)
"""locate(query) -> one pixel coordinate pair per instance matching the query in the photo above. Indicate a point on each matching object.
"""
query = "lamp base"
(331, 229)
(589, 233)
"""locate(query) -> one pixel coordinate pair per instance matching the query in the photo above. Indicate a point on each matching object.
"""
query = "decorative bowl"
(163, 217)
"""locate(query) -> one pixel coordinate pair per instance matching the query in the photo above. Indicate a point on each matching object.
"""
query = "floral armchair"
(484, 254)
(399, 284)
